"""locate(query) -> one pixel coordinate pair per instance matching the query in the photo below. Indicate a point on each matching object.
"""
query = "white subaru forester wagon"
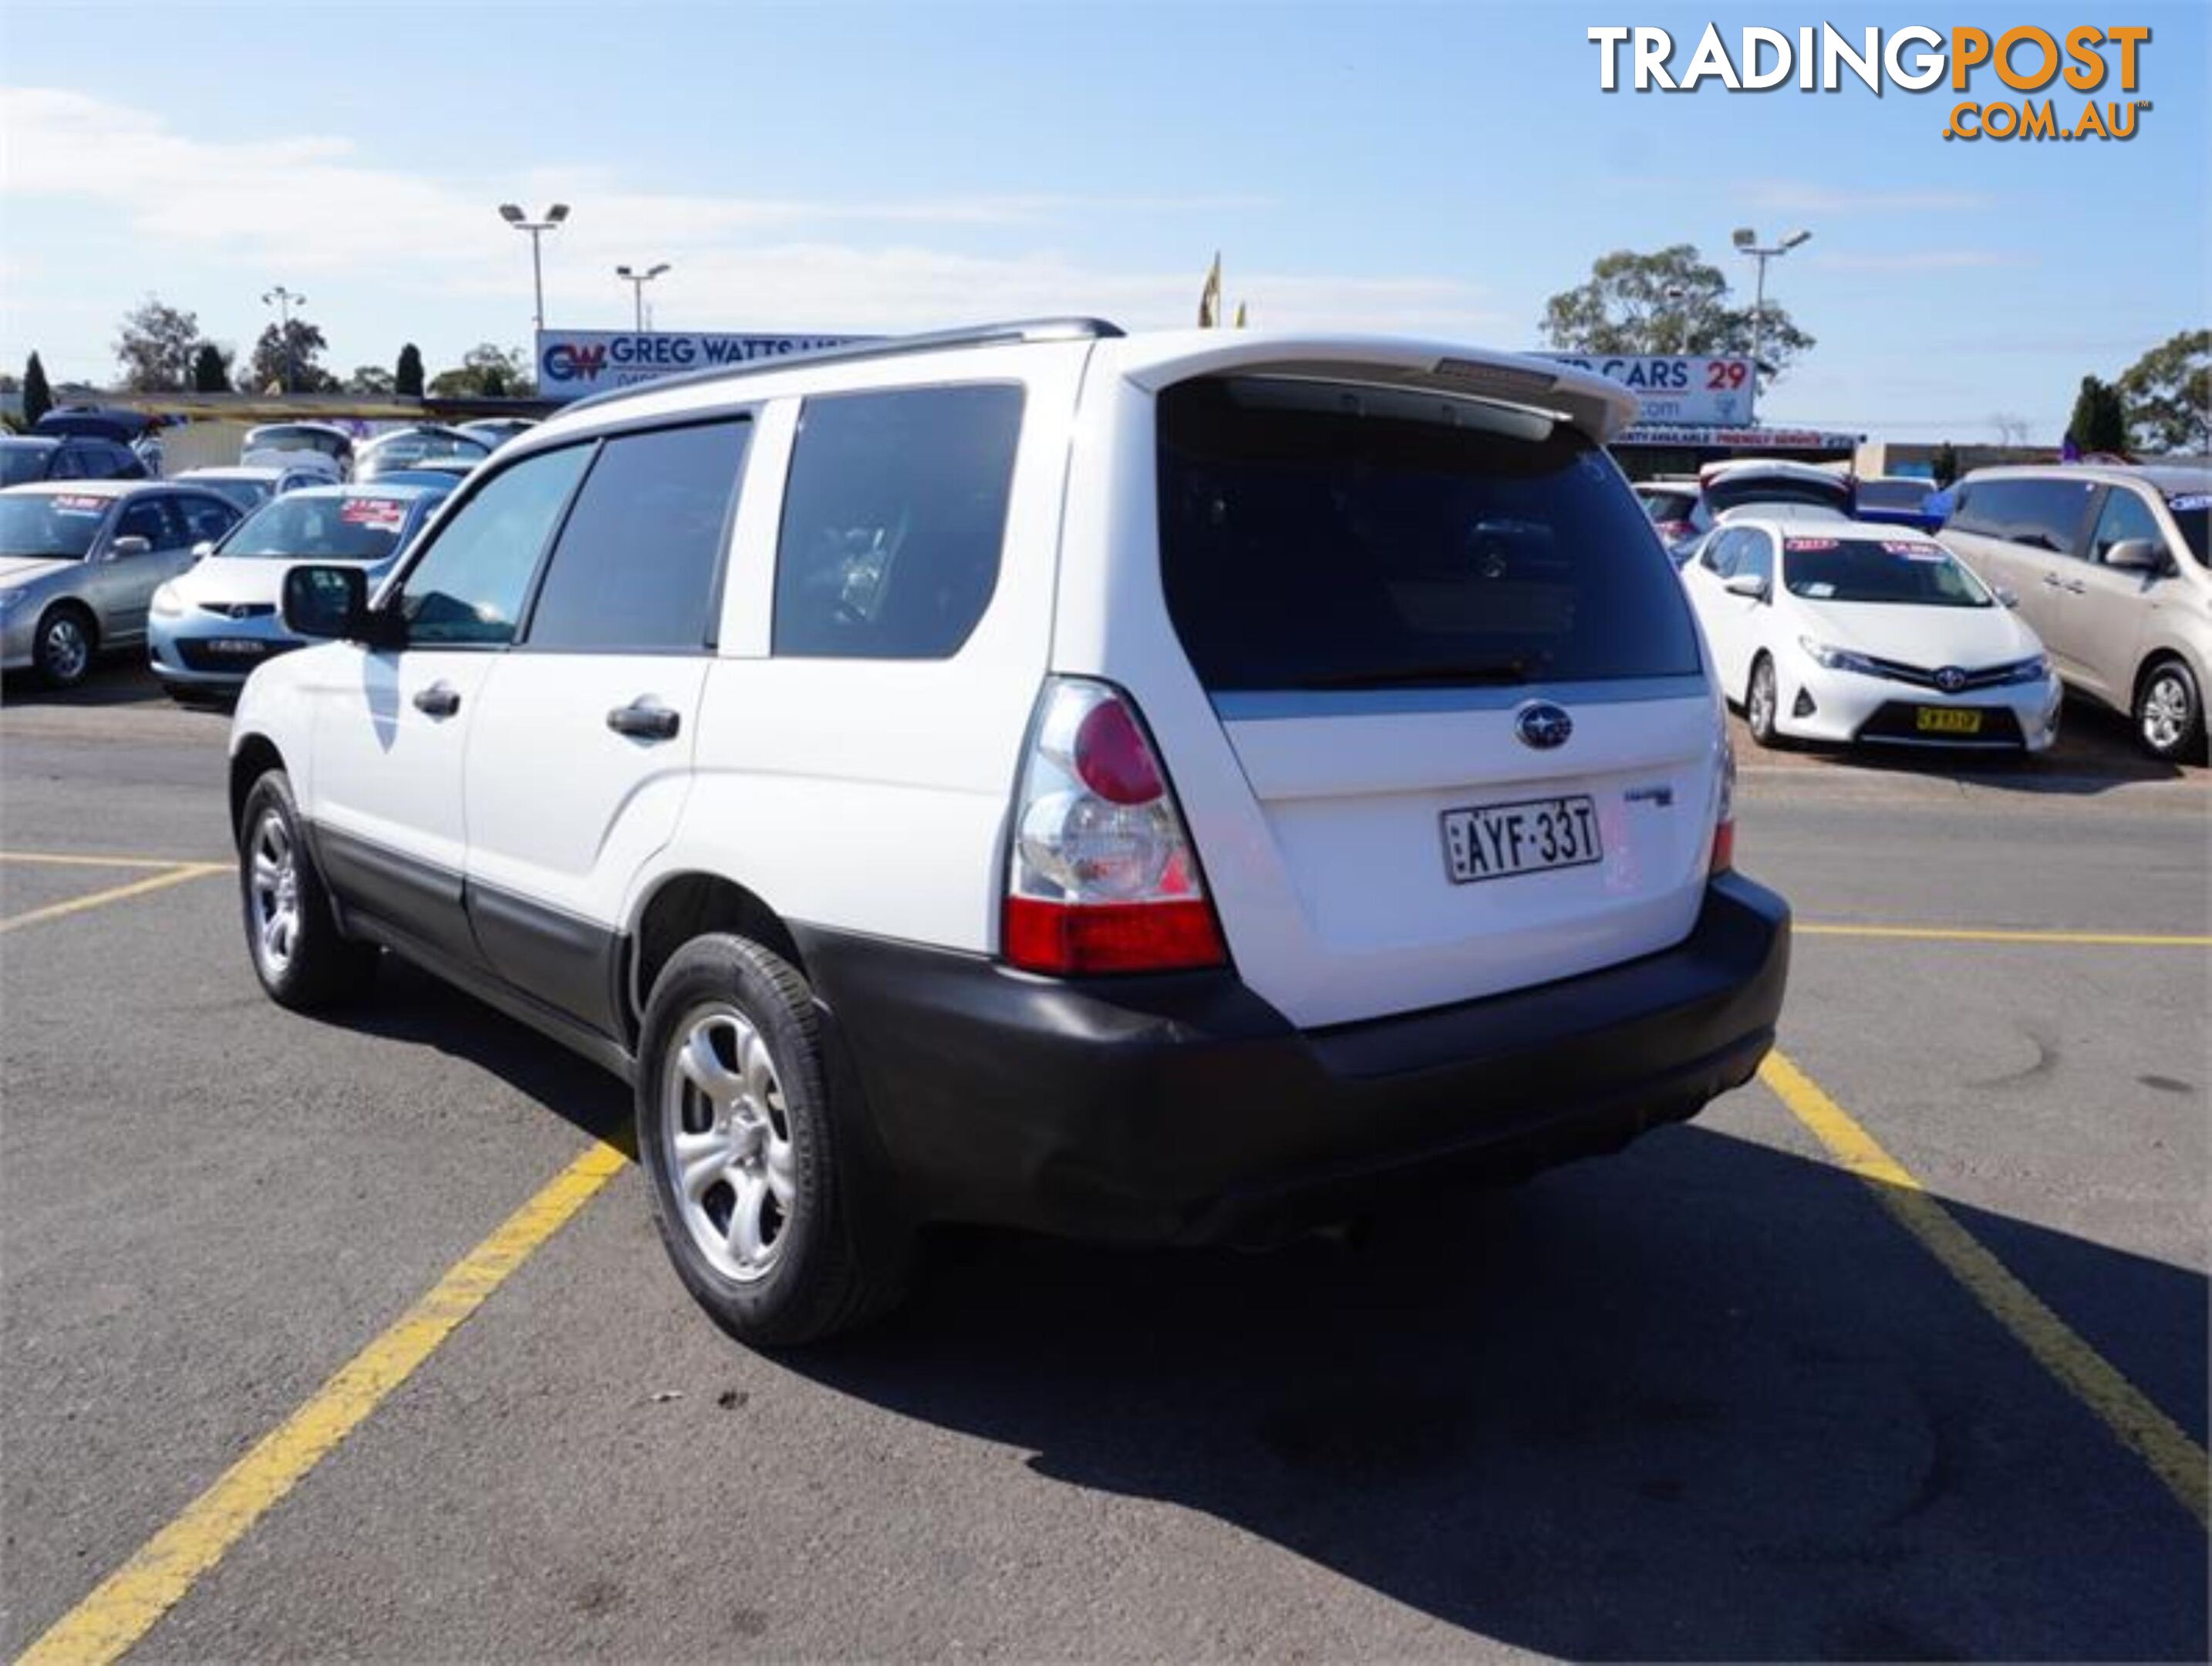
(1158, 788)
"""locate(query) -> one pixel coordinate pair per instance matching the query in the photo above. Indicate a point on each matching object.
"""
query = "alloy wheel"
(725, 1137)
(2165, 711)
(64, 648)
(274, 885)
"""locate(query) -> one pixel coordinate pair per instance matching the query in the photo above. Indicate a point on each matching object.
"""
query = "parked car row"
(1848, 611)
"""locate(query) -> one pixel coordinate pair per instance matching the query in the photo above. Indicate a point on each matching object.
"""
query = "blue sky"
(1434, 168)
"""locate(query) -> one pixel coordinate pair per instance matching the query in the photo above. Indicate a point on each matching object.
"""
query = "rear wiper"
(1486, 673)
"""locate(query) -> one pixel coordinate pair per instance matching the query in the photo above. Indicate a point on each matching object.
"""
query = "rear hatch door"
(1461, 685)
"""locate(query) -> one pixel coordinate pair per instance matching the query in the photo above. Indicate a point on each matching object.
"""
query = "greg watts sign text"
(2060, 65)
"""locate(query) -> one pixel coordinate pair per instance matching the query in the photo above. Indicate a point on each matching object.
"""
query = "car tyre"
(301, 956)
(1762, 704)
(756, 1174)
(2169, 712)
(62, 650)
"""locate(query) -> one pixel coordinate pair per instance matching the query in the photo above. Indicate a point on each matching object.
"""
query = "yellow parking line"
(125, 1606)
(174, 876)
(94, 862)
(1972, 934)
(2137, 1424)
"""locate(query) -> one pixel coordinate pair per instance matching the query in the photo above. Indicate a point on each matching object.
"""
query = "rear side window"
(206, 519)
(2041, 514)
(893, 519)
(636, 564)
(1319, 536)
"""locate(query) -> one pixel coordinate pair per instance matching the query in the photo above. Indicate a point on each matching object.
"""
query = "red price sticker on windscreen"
(70, 503)
(1797, 544)
(385, 514)
(1915, 551)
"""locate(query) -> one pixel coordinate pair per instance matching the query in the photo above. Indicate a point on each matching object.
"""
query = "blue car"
(1900, 500)
(211, 626)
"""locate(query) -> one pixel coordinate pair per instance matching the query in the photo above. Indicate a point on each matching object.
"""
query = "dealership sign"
(1680, 389)
(574, 362)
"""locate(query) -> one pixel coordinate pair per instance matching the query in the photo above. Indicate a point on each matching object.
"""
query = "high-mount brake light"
(1101, 877)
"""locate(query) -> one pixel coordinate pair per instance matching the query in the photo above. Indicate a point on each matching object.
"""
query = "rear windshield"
(1724, 495)
(1320, 536)
(1826, 569)
(297, 439)
(358, 527)
(1669, 505)
(20, 463)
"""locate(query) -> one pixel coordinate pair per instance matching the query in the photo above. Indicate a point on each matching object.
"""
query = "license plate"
(1497, 841)
(236, 645)
(1946, 720)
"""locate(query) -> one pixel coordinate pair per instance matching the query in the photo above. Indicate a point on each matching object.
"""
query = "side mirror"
(331, 604)
(1753, 585)
(2135, 555)
(2006, 597)
(203, 548)
(129, 545)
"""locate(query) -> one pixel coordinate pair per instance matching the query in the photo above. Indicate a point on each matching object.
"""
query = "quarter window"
(2040, 515)
(468, 587)
(638, 557)
(893, 519)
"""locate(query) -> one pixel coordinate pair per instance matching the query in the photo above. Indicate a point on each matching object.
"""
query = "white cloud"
(373, 241)
(1810, 196)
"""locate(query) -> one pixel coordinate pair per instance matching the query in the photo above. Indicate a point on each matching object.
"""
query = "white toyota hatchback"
(1845, 630)
(1164, 788)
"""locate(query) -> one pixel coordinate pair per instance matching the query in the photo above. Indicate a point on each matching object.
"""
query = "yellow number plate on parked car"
(1944, 720)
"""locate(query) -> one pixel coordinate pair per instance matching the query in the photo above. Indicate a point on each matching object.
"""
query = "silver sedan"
(80, 560)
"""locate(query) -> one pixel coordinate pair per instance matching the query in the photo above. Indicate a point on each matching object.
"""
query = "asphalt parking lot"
(1899, 1353)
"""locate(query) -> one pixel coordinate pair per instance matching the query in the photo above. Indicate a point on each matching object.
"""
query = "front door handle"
(2051, 581)
(2077, 588)
(642, 721)
(439, 700)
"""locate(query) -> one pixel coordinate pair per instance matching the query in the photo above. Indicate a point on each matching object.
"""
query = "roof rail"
(877, 347)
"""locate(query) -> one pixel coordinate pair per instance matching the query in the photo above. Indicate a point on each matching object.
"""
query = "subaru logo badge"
(1950, 679)
(1543, 726)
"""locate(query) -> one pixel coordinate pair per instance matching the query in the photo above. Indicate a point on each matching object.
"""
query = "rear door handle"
(2077, 586)
(439, 700)
(2051, 581)
(642, 721)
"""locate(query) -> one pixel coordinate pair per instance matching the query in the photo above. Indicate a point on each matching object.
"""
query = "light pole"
(1676, 295)
(637, 280)
(1747, 243)
(284, 301)
(514, 217)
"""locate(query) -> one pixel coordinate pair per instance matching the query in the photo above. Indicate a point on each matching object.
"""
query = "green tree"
(371, 381)
(210, 369)
(407, 378)
(37, 397)
(2166, 395)
(155, 347)
(1666, 301)
(485, 371)
(1944, 465)
(288, 360)
(2097, 423)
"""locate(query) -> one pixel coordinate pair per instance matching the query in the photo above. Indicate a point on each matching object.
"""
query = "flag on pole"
(1209, 299)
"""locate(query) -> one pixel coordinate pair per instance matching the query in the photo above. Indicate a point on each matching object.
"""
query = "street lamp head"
(510, 213)
(1745, 237)
(623, 271)
(657, 270)
(1791, 240)
(557, 214)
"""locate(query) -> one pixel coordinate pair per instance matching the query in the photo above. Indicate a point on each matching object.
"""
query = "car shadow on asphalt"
(1700, 1401)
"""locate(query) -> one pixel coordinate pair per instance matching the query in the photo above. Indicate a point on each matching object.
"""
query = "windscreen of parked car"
(1895, 494)
(1316, 535)
(358, 526)
(1827, 570)
(1668, 506)
(246, 493)
(59, 525)
(20, 463)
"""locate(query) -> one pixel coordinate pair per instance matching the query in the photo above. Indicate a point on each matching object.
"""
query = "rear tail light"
(1724, 822)
(1101, 877)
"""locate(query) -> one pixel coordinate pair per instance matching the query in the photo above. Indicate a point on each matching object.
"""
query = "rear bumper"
(1184, 1107)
